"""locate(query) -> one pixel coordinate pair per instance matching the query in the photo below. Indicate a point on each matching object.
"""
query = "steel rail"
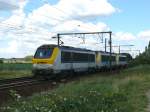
(2, 81)
(20, 83)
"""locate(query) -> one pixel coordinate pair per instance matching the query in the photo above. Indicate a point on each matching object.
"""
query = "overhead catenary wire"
(60, 20)
(65, 13)
(88, 27)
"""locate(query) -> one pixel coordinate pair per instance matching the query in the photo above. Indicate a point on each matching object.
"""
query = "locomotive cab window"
(43, 53)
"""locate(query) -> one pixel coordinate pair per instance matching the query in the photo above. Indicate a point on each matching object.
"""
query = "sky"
(27, 24)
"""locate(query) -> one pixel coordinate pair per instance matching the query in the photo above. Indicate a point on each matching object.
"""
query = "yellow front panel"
(50, 60)
(98, 58)
(117, 58)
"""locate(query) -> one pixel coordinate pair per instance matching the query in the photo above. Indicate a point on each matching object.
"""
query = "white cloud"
(17, 17)
(11, 5)
(7, 5)
(11, 48)
(86, 7)
(73, 9)
(144, 34)
(26, 32)
(75, 25)
(124, 36)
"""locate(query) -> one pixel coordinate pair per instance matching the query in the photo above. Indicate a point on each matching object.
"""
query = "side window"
(75, 57)
(83, 57)
(122, 58)
(91, 58)
(107, 58)
(113, 58)
(65, 57)
(80, 57)
(68, 57)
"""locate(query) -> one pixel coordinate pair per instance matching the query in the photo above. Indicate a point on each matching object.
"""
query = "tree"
(149, 45)
(146, 49)
(143, 58)
(1, 61)
(28, 58)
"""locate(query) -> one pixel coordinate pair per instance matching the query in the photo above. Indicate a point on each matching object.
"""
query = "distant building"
(16, 60)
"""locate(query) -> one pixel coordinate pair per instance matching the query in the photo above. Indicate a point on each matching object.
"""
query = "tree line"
(143, 58)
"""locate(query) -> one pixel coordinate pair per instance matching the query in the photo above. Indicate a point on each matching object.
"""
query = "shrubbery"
(15, 66)
(91, 101)
(143, 58)
(124, 92)
(1, 61)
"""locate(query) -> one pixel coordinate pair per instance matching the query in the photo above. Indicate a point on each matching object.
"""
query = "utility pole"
(119, 49)
(124, 46)
(132, 50)
(105, 44)
(58, 39)
(87, 33)
(84, 33)
(110, 57)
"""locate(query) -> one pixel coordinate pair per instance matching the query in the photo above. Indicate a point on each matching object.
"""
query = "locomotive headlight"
(34, 65)
(42, 66)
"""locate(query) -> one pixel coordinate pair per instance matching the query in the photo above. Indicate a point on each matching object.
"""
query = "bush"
(92, 101)
(1, 61)
(143, 58)
(15, 66)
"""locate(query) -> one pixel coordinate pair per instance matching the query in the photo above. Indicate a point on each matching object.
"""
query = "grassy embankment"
(122, 92)
(14, 70)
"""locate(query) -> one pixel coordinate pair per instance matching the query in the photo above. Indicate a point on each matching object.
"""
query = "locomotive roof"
(74, 48)
(105, 52)
(64, 47)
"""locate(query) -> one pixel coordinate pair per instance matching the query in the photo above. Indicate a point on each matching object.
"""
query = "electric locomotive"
(50, 60)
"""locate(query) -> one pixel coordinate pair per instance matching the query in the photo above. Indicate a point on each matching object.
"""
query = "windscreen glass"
(43, 53)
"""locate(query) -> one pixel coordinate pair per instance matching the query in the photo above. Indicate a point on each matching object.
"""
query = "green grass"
(122, 92)
(14, 74)
(15, 66)
(15, 70)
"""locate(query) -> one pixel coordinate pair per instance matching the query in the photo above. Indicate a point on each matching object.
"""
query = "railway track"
(14, 79)
(18, 82)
